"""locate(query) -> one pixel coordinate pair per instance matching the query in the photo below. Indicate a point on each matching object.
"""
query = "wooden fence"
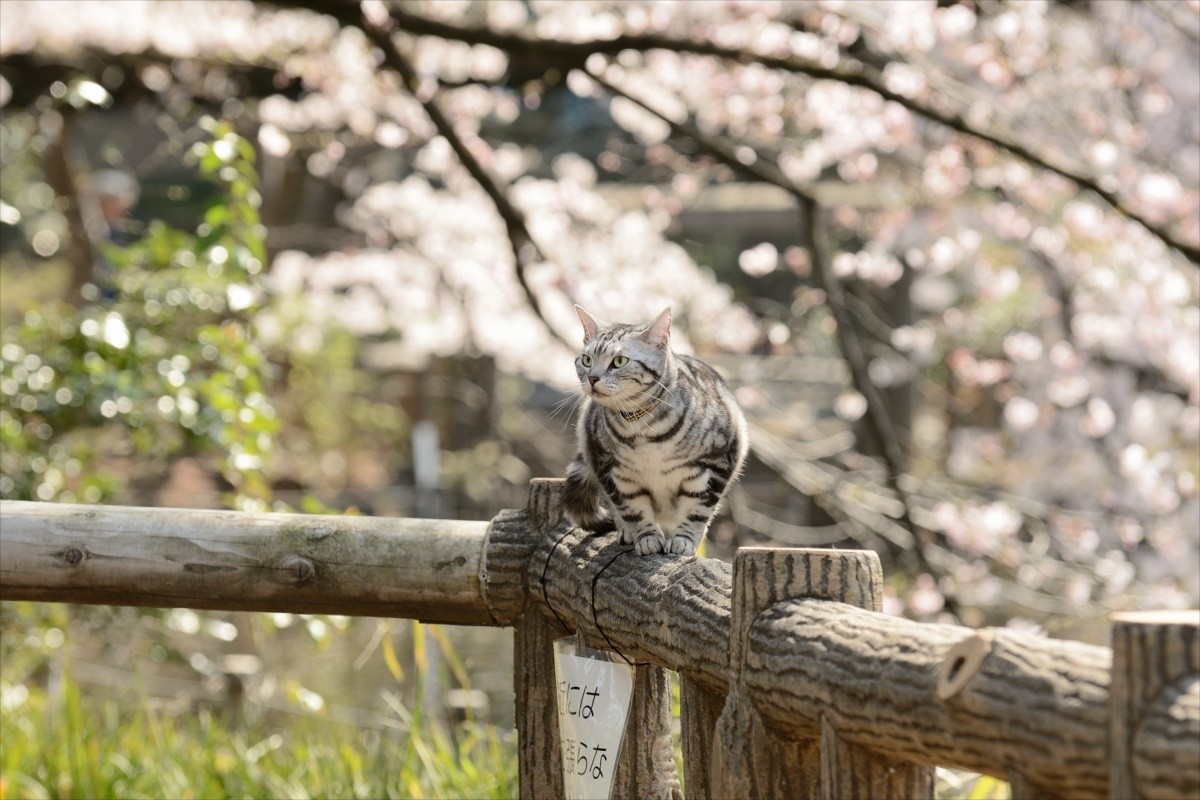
(794, 685)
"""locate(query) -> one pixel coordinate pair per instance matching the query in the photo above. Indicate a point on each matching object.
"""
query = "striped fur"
(660, 438)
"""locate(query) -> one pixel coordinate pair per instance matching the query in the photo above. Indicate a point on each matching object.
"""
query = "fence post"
(539, 759)
(1155, 706)
(747, 760)
(645, 769)
(646, 766)
(699, 708)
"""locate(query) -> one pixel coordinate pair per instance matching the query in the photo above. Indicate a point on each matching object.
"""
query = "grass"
(63, 743)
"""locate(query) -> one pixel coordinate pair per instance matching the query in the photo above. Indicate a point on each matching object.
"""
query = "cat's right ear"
(589, 324)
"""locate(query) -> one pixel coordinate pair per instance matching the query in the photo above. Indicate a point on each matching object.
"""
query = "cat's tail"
(581, 499)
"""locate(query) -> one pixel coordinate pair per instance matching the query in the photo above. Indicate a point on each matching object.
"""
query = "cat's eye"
(619, 361)
(586, 360)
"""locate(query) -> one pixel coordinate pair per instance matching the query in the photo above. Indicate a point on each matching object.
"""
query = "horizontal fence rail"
(170, 557)
(1003, 702)
(793, 685)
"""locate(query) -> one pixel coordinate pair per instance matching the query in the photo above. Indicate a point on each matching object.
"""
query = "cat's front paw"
(681, 546)
(649, 542)
(626, 536)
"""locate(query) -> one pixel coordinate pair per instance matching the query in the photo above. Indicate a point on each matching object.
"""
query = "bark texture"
(1166, 758)
(848, 770)
(749, 759)
(699, 708)
(539, 755)
(1155, 717)
(671, 611)
(511, 540)
(646, 767)
(793, 685)
(1037, 707)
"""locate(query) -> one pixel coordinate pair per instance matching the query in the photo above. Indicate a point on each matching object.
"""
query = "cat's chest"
(648, 458)
(651, 465)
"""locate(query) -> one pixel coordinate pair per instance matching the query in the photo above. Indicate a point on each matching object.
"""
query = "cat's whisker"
(667, 393)
(568, 404)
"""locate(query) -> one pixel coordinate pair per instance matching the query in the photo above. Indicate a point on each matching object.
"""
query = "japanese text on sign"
(593, 703)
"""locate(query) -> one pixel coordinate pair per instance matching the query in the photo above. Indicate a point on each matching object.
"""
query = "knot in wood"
(298, 569)
(320, 531)
(73, 555)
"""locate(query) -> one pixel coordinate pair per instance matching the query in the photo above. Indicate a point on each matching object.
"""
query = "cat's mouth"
(600, 395)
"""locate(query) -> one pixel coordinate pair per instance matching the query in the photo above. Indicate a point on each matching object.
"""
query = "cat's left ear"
(660, 330)
(589, 323)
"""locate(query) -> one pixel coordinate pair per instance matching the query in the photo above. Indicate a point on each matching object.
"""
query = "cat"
(661, 438)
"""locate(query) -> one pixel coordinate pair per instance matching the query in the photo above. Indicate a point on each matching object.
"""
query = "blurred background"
(314, 257)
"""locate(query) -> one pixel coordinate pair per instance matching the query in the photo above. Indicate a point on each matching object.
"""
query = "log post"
(748, 759)
(699, 708)
(850, 770)
(539, 757)
(646, 766)
(1155, 719)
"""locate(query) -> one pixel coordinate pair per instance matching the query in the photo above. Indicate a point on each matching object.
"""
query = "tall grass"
(61, 742)
(64, 743)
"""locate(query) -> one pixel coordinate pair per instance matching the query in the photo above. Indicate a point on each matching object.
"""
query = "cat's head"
(620, 364)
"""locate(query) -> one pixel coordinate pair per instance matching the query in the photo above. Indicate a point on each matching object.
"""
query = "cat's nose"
(593, 379)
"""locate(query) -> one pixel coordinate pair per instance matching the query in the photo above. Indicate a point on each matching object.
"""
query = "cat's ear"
(589, 324)
(660, 330)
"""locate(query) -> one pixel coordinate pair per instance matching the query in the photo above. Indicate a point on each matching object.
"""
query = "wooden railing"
(793, 684)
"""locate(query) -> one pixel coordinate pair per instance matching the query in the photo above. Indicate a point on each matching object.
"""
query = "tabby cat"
(660, 438)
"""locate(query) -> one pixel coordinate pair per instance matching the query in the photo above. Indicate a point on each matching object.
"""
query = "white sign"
(593, 703)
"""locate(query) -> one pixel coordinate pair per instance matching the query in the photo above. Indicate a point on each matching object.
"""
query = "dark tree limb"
(848, 339)
(520, 240)
(563, 55)
(61, 177)
(549, 54)
(32, 74)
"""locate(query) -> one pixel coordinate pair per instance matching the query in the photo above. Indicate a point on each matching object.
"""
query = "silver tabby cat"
(660, 438)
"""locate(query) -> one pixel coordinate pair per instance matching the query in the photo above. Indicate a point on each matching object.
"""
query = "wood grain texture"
(539, 756)
(514, 535)
(699, 708)
(646, 767)
(876, 692)
(169, 557)
(545, 503)
(671, 611)
(749, 759)
(1155, 656)
(848, 770)
(1036, 706)
(512, 538)
(1166, 752)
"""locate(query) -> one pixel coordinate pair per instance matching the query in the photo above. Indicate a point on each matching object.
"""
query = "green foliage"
(168, 362)
(161, 730)
(72, 745)
(169, 365)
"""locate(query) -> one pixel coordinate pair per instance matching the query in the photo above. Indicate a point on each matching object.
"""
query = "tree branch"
(519, 237)
(848, 339)
(564, 55)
